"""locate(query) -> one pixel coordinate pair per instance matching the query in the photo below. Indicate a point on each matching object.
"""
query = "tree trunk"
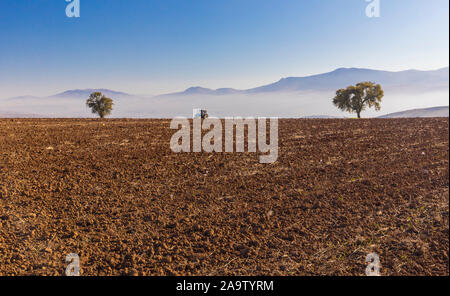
(359, 115)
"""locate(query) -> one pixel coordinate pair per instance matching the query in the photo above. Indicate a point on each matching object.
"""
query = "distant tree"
(100, 104)
(357, 98)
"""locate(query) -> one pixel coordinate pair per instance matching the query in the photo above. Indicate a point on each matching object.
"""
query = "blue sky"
(152, 47)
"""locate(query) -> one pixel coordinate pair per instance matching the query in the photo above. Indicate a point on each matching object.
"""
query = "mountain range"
(336, 79)
(288, 97)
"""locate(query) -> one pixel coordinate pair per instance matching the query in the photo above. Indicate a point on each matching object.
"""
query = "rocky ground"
(113, 192)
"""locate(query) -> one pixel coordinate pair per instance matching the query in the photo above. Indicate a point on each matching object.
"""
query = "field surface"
(113, 192)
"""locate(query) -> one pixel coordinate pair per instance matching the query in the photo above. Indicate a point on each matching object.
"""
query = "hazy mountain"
(340, 78)
(344, 77)
(84, 93)
(205, 91)
(75, 94)
(427, 112)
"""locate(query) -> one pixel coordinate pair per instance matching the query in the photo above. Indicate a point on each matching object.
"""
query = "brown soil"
(113, 192)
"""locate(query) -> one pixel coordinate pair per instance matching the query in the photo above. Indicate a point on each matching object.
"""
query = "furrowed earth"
(113, 192)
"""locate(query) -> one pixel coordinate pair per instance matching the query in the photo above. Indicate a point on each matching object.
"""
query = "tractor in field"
(200, 113)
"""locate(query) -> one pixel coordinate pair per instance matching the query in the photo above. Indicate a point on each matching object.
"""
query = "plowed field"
(113, 192)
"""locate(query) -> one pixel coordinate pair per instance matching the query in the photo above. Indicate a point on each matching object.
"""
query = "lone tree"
(357, 98)
(100, 104)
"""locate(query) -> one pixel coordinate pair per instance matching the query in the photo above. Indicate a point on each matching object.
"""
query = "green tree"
(358, 98)
(100, 104)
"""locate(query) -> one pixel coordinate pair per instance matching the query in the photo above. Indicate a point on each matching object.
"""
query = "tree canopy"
(100, 104)
(357, 98)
